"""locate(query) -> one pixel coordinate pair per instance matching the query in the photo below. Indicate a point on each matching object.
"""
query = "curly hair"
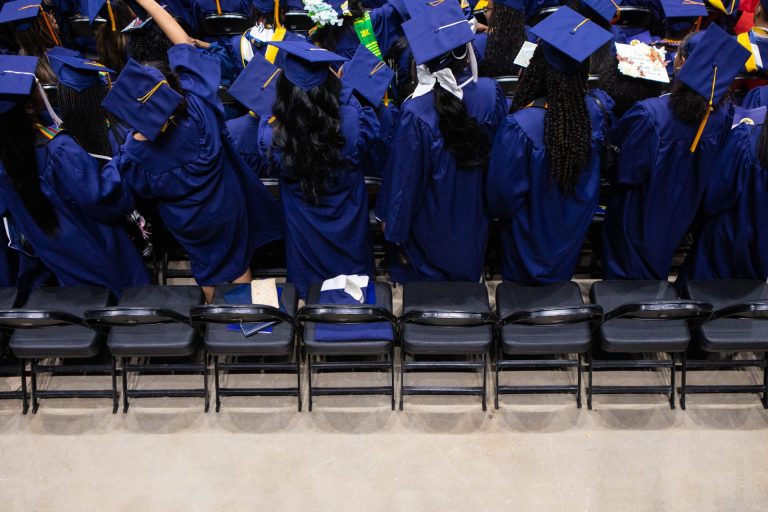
(112, 45)
(149, 44)
(307, 128)
(84, 118)
(567, 127)
(17, 153)
(625, 90)
(687, 105)
(506, 35)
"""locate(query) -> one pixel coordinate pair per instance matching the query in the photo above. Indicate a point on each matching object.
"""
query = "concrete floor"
(632, 453)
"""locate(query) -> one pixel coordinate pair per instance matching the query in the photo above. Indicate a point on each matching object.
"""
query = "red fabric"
(747, 19)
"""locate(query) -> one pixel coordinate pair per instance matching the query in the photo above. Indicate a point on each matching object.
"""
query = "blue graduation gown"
(542, 230)
(244, 132)
(732, 242)
(208, 198)
(658, 187)
(386, 23)
(332, 237)
(433, 209)
(86, 250)
(757, 97)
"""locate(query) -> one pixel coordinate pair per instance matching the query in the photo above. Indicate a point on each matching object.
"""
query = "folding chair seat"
(152, 322)
(348, 355)
(226, 24)
(445, 319)
(227, 345)
(541, 321)
(737, 325)
(51, 326)
(641, 317)
(10, 365)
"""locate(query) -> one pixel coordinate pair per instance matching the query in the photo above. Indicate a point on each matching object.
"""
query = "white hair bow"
(444, 77)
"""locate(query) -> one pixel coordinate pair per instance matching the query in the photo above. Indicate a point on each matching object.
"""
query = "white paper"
(352, 285)
(525, 54)
(264, 292)
(639, 60)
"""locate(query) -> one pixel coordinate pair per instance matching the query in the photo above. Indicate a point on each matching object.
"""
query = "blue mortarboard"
(684, 8)
(368, 75)
(77, 72)
(142, 98)
(711, 67)
(92, 9)
(306, 65)
(256, 87)
(437, 31)
(607, 10)
(21, 12)
(60, 50)
(569, 38)
(17, 75)
(265, 6)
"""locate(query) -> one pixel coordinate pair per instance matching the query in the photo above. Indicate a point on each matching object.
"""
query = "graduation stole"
(745, 41)
(46, 132)
(364, 31)
(271, 53)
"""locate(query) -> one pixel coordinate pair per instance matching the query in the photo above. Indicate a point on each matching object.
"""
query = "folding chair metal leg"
(485, 381)
(216, 382)
(672, 390)
(589, 388)
(578, 381)
(392, 377)
(205, 383)
(298, 374)
(125, 384)
(309, 381)
(683, 379)
(496, 376)
(24, 399)
(115, 392)
(765, 382)
(33, 381)
(402, 374)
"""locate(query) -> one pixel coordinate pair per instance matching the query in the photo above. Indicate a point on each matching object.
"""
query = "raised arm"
(169, 25)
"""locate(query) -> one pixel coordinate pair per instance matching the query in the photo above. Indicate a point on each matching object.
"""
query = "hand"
(139, 137)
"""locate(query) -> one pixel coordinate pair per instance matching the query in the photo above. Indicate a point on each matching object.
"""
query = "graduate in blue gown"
(732, 241)
(668, 146)
(757, 97)
(57, 196)
(180, 156)
(432, 200)
(544, 174)
(505, 36)
(322, 185)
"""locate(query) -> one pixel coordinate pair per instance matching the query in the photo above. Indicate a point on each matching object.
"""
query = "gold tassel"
(710, 108)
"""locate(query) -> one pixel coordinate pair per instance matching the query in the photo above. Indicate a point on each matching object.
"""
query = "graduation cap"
(17, 76)
(93, 8)
(23, 14)
(143, 99)
(711, 67)
(569, 38)
(306, 65)
(437, 31)
(607, 10)
(77, 72)
(60, 50)
(684, 8)
(368, 75)
(256, 87)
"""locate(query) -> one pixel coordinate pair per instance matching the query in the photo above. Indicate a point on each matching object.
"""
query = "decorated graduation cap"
(568, 38)
(93, 8)
(304, 64)
(256, 87)
(607, 10)
(711, 67)
(437, 31)
(77, 72)
(22, 13)
(143, 99)
(17, 76)
(368, 75)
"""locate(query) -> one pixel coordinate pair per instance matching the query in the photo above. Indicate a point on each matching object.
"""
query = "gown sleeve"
(635, 135)
(79, 178)
(734, 161)
(407, 172)
(500, 111)
(386, 23)
(757, 97)
(199, 73)
(508, 181)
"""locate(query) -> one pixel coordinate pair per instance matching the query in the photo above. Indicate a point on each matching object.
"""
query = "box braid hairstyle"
(506, 35)
(567, 127)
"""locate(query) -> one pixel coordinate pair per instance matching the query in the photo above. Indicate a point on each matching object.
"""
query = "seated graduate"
(668, 146)
(505, 37)
(314, 144)
(624, 90)
(56, 195)
(756, 38)
(732, 240)
(681, 18)
(36, 32)
(544, 173)
(178, 155)
(432, 200)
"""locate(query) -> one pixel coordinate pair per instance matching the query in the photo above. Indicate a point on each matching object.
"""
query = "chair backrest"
(298, 22)
(81, 26)
(226, 24)
(635, 17)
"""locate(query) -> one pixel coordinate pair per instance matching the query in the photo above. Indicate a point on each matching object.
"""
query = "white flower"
(322, 13)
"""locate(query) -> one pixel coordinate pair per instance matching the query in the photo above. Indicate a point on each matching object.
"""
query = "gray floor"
(535, 453)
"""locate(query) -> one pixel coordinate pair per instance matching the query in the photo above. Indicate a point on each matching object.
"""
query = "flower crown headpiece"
(323, 14)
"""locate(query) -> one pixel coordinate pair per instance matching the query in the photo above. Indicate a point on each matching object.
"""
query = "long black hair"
(567, 126)
(464, 137)
(762, 147)
(687, 105)
(307, 128)
(624, 90)
(112, 45)
(85, 119)
(506, 35)
(17, 153)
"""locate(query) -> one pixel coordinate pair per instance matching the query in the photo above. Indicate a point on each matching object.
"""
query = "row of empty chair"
(443, 327)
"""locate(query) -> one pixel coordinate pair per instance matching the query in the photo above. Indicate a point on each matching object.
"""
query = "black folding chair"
(226, 24)
(737, 326)
(348, 355)
(51, 326)
(635, 17)
(273, 350)
(159, 329)
(81, 26)
(445, 320)
(10, 365)
(642, 317)
(548, 320)
(298, 22)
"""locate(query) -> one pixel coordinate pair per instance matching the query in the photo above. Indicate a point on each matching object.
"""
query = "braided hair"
(567, 127)
(624, 90)
(307, 128)
(506, 35)
(85, 119)
(762, 147)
